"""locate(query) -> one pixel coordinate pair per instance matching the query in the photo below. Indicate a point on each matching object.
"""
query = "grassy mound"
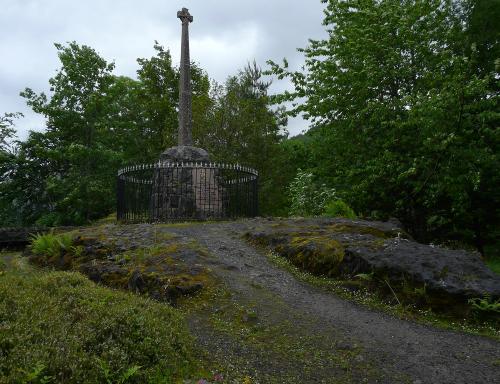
(61, 327)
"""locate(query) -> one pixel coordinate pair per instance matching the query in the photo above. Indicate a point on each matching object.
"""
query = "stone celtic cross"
(185, 113)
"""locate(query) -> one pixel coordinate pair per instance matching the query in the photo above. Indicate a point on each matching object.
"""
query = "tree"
(8, 150)
(158, 97)
(241, 127)
(79, 169)
(405, 123)
(7, 132)
(483, 33)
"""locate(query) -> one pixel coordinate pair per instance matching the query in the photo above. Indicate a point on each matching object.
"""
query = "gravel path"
(384, 349)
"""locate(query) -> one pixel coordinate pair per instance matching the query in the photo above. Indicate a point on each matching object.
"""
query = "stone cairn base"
(185, 190)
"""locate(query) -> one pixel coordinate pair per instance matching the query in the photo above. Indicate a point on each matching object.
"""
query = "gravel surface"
(351, 343)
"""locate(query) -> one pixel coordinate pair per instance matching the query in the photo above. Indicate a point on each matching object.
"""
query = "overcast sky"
(224, 36)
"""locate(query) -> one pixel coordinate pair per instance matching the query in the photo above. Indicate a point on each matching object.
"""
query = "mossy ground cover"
(61, 327)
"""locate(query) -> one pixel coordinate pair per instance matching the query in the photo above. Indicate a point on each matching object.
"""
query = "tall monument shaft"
(185, 112)
(185, 151)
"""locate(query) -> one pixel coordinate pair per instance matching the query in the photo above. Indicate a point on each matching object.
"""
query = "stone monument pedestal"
(185, 186)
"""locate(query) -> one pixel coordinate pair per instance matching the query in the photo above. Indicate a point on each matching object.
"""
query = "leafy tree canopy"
(403, 100)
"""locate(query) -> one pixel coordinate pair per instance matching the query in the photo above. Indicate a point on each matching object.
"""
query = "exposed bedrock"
(342, 247)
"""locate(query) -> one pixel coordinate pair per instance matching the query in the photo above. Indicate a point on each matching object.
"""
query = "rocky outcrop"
(455, 274)
(342, 247)
(141, 258)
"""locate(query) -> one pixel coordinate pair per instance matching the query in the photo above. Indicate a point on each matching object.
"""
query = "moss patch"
(316, 254)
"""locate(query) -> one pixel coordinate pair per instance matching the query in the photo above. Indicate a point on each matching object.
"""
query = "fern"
(485, 304)
(50, 245)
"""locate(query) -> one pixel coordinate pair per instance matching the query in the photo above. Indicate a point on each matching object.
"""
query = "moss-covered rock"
(316, 254)
(347, 248)
(143, 259)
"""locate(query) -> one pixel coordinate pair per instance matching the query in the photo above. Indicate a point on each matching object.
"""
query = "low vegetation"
(61, 327)
(50, 245)
(494, 264)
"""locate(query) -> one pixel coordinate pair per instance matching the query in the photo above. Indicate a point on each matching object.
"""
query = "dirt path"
(285, 331)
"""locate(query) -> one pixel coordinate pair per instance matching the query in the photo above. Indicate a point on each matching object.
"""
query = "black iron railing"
(163, 192)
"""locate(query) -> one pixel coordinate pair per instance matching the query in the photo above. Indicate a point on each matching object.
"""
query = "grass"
(61, 327)
(374, 300)
(110, 219)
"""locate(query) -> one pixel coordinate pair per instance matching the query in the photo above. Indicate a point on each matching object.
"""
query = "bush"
(494, 264)
(308, 199)
(339, 208)
(60, 327)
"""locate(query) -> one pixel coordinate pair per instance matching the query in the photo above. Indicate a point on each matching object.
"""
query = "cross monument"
(185, 114)
(185, 151)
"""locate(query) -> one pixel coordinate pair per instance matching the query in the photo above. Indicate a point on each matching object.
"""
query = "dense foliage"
(403, 99)
(97, 122)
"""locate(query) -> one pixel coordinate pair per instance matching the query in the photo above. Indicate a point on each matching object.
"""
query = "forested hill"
(402, 98)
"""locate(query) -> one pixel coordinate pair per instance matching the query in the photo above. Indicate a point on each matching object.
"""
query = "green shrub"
(60, 327)
(494, 264)
(51, 245)
(339, 208)
(485, 305)
(307, 198)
